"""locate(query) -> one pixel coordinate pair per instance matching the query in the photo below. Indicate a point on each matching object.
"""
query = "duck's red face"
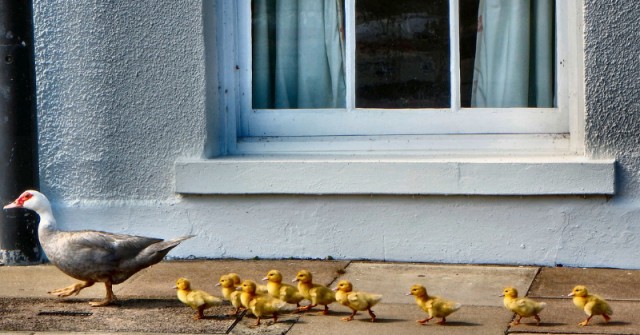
(24, 197)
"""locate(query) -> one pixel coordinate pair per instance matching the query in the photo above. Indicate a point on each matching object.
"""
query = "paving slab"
(129, 315)
(247, 326)
(562, 317)
(468, 284)
(36, 280)
(401, 319)
(608, 283)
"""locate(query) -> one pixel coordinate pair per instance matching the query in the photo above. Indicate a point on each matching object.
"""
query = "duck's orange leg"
(71, 290)
(108, 300)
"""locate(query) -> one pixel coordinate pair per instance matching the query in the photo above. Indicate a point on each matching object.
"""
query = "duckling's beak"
(570, 294)
(265, 279)
(294, 280)
(218, 284)
(175, 287)
(408, 293)
(335, 289)
(502, 295)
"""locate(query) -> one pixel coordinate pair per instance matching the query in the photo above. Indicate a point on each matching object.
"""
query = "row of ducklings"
(270, 299)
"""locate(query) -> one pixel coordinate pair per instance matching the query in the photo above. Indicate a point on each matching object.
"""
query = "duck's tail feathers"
(157, 251)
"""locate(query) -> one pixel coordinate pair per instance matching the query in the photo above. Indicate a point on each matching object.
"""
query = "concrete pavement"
(148, 304)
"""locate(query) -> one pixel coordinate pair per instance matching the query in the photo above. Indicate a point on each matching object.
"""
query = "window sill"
(549, 175)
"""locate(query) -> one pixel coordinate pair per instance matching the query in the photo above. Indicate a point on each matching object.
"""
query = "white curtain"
(514, 64)
(298, 58)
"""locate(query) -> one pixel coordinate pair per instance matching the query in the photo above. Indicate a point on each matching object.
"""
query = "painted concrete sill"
(553, 175)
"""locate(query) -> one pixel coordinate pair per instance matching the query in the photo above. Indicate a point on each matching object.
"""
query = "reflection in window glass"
(402, 54)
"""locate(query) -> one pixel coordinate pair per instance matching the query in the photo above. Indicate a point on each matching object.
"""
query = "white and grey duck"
(92, 256)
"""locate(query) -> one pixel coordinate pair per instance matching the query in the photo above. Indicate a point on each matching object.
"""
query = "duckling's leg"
(442, 322)
(306, 308)
(199, 313)
(258, 321)
(350, 317)
(425, 320)
(275, 317)
(71, 290)
(537, 319)
(110, 298)
(373, 316)
(326, 310)
(516, 322)
(606, 318)
(586, 322)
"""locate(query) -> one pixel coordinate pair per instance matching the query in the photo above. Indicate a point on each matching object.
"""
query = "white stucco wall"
(122, 94)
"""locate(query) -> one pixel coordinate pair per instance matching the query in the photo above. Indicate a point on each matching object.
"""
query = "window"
(407, 75)
(395, 97)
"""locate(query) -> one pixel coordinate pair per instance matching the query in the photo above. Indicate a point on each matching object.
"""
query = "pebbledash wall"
(123, 95)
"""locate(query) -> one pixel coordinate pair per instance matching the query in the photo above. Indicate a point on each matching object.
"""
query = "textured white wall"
(122, 94)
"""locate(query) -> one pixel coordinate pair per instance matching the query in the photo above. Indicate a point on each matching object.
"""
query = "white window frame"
(452, 130)
(552, 162)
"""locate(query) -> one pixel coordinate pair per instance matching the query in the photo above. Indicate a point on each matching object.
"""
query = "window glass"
(514, 54)
(402, 54)
(298, 54)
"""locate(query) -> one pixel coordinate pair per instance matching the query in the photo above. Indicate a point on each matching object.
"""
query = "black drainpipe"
(18, 132)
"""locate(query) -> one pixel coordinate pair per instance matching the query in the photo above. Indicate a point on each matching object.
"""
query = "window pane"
(297, 53)
(514, 54)
(402, 54)
(468, 33)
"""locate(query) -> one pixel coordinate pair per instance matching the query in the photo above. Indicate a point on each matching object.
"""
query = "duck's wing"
(96, 255)
(111, 246)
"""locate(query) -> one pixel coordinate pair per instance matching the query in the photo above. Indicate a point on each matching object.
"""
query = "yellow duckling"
(523, 307)
(196, 299)
(432, 305)
(317, 294)
(229, 292)
(260, 305)
(284, 292)
(357, 301)
(235, 278)
(591, 304)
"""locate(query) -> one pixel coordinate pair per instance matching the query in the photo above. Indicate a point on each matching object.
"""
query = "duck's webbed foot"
(108, 300)
(71, 290)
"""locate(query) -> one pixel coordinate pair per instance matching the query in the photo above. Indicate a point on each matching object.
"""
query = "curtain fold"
(514, 63)
(298, 61)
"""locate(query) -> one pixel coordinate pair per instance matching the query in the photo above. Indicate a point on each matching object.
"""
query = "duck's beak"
(218, 284)
(408, 293)
(265, 279)
(570, 294)
(12, 205)
(175, 287)
(294, 280)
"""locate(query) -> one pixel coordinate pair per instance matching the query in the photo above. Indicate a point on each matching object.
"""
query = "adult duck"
(92, 256)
